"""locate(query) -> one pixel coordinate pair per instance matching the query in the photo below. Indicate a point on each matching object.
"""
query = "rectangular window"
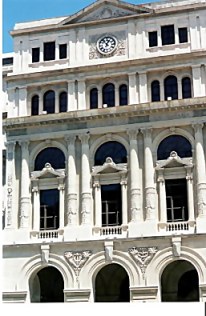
(35, 54)
(111, 205)
(62, 51)
(176, 194)
(49, 209)
(49, 51)
(183, 36)
(168, 34)
(153, 39)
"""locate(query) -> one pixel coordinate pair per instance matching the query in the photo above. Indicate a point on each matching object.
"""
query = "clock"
(107, 44)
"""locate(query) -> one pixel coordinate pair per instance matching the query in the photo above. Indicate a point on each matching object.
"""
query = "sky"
(16, 11)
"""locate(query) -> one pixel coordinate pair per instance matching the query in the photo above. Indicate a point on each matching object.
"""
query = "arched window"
(35, 105)
(63, 102)
(51, 155)
(170, 88)
(186, 88)
(111, 149)
(49, 101)
(108, 93)
(176, 143)
(123, 95)
(155, 91)
(94, 98)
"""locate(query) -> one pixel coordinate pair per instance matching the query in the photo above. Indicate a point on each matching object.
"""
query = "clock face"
(106, 45)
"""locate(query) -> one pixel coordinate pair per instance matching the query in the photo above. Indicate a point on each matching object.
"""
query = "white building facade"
(104, 178)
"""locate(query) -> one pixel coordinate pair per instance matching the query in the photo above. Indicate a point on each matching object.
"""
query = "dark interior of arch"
(111, 149)
(52, 155)
(48, 286)
(176, 143)
(179, 282)
(112, 284)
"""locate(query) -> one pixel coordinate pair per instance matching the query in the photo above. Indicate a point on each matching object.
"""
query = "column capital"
(70, 139)
(10, 145)
(24, 144)
(84, 138)
(132, 133)
(197, 127)
(146, 131)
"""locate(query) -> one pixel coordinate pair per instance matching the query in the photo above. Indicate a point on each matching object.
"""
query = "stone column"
(133, 99)
(71, 212)
(143, 97)
(72, 102)
(61, 205)
(179, 88)
(81, 94)
(134, 177)
(124, 201)
(116, 95)
(23, 101)
(162, 197)
(25, 184)
(56, 110)
(149, 175)
(85, 181)
(190, 196)
(97, 203)
(36, 205)
(200, 170)
(9, 218)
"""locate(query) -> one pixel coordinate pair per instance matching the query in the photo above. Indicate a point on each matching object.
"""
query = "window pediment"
(47, 172)
(109, 167)
(174, 161)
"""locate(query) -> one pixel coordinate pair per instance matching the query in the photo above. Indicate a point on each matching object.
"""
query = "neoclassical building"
(104, 157)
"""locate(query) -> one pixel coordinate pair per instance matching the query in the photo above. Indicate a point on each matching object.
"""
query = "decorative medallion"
(142, 256)
(77, 260)
(107, 44)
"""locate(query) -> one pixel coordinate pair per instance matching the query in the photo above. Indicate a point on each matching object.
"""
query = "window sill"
(49, 63)
(168, 47)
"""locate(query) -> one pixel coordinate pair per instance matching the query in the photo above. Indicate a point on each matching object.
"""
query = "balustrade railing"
(176, 226)
(113, 230)
(50, 234)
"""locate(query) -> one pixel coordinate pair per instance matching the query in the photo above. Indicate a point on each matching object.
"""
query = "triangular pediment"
(173, 161)
(109, 167)
(105, 9)
(47, 172)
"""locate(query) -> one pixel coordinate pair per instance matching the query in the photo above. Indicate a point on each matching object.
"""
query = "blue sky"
(15, 11)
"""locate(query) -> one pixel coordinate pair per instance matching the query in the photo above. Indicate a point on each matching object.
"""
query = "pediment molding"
(47, 172)
(174, 161)
(105, 9)
(109, 167)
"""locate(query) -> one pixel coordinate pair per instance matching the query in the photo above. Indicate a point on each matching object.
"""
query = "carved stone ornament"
(109, 167)
(142, 256)
(47, 171)
(77, 260)
(174, 161)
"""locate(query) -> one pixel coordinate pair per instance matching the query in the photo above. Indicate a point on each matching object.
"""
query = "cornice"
(125, 65)
(81, 116)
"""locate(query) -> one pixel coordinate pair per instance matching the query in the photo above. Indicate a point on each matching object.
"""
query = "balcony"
(177, 227)
(47, 235)
(111, 231)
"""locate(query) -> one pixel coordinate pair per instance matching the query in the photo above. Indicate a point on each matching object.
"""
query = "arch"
(93, 98)
(155, 90)
(49, 101)
(112, 284)
(186, 88)
(175, 285)
(52, 155)
(176, 143)
(63, 101)
(168, 132)
(47, 286)
(170, 87)
(112, 149)
(41, 146)
(35, 105)
(108, 94)
(123, 94)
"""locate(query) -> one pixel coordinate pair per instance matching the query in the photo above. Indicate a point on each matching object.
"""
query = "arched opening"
(176, 143)
(112, 284)
(108, 94)
(51, 155)
(94, 98)
(35, 105)
(47, 286)
(112, 149)
(123, 95)
(155, 91)
(63, 102)
(49, 101)
(170, 88)
(179, 282)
